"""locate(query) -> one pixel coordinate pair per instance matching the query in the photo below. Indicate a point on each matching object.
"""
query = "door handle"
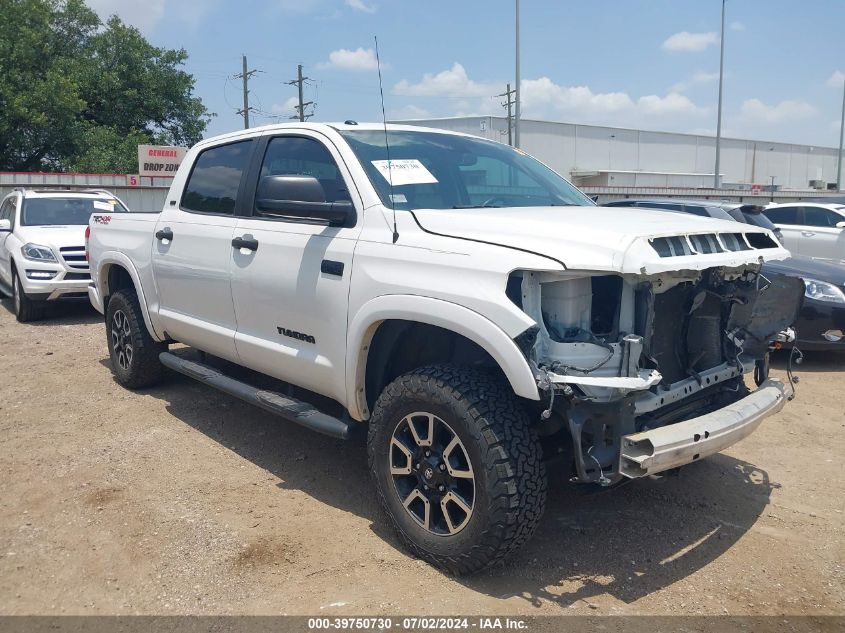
(165, 234)
(249, 243)
(807, 233)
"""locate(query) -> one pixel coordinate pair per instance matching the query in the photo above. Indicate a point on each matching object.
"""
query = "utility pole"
(299, 82)
(245, 75)
(508, 94)
(841, 130)
(716, 180)
(516, 124)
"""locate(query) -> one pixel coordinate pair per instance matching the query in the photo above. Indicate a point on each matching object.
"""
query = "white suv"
(42, 245)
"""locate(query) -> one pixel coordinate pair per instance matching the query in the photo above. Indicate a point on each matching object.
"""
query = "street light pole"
(517, 100)
(716, 180)
(841, 130)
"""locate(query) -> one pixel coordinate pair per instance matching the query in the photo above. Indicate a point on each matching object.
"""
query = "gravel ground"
(181, 500)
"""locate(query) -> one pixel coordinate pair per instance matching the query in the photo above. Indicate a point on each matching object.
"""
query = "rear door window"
(817, 216)
(783, 215)
(215, 179)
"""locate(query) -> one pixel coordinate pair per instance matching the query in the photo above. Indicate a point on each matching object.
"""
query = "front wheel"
(133, 352)
(26, 309)
(456, 466)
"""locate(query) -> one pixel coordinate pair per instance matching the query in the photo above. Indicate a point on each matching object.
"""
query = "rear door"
(291, 293)
(192, 252)
(822, 237)
(788, 220)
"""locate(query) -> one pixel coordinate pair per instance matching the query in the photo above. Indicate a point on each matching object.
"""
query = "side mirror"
(840, 225)
(5, 226)
(300, 197)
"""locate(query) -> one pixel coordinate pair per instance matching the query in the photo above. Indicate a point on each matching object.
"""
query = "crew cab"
(456, 300)
(42, 251)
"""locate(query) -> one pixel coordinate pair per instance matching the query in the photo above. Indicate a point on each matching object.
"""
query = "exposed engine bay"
(620, 355)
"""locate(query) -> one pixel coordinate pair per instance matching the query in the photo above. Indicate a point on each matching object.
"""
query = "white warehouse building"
(592, 155)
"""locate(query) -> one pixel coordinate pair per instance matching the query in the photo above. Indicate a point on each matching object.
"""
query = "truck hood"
(55, 237)
(613, 239)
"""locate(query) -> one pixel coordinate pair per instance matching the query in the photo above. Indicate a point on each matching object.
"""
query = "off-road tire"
(503, 451)
(26, 309)
(142, 367)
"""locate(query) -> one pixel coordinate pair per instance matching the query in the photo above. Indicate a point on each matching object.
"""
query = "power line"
(299, 82)
(510, 96)
(245, 75)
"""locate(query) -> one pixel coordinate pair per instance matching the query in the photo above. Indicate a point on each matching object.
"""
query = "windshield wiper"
(476, 206)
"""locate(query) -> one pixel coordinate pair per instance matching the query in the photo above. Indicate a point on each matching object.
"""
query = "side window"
(816, 216)
(666, 205)
(300, 156)
(696, 210)
(213, 184)
(783, 215)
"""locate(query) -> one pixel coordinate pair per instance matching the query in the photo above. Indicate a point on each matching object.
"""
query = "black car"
(719, 209)
(821, 322)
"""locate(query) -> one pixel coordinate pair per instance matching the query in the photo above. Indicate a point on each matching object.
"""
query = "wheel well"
(118, 279)
(398, 347)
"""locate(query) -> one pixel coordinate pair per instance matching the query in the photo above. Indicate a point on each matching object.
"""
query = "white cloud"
(699, 77)
(359, 59)
(448, 83)
(360, 5)
(737, 26)
(756, 111)
(673, 103)
(459, 95)
(286, 108)
(690, 42)
(409, 111)
(146, 15)
(836, 79)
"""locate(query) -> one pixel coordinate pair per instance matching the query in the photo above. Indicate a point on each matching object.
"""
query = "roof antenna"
(386, 144)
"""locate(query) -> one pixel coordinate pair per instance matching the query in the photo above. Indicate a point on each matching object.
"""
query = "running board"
(284, 406)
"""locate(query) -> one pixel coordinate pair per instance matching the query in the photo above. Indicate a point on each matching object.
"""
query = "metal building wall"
(568, 147)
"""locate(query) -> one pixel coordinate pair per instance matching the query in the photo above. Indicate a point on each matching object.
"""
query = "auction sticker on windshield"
(404, 171)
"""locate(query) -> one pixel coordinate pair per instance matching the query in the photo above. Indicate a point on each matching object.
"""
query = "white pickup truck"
(457, 300)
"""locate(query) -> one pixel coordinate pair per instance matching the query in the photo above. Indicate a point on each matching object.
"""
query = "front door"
(192, 253)
(788, 220)
(291, 292)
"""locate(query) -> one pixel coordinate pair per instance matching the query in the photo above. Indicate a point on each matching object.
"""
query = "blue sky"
(636, 63)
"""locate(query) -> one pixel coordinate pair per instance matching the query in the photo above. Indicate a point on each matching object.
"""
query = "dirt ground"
(182, 500)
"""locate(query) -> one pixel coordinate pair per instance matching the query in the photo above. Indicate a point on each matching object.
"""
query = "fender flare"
(114, 258)
(449, 316)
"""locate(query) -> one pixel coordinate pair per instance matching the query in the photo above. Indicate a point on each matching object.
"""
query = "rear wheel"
(456, 467)
(26, 309)
(133, 352)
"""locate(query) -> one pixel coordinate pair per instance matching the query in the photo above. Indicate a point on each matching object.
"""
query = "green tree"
(79, 95)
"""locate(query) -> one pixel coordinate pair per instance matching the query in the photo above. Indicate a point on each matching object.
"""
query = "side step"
(284, 406)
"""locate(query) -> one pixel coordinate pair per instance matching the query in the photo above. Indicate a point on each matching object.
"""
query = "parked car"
(719, 209)
(42, 245)
(821, 322)
(811, 229)
(456, 299)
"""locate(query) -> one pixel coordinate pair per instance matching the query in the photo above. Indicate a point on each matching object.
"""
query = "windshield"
(66, 211)
(431, 170)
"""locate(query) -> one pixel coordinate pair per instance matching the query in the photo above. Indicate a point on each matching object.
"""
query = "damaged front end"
(645, 372)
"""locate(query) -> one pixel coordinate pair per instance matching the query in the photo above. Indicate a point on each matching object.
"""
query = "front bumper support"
(674, 445)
